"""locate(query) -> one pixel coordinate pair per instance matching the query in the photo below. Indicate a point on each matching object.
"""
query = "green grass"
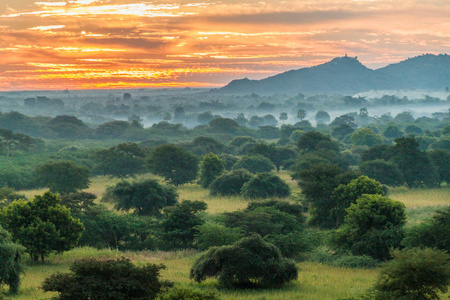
(316, 281)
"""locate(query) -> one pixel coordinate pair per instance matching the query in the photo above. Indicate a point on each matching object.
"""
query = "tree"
(346, 194)
(315, 141)
(205, 117)
(212, 235)
(223, 125)
(385, 172)
(414, 274)
(283, 116)
(126, 159)
(42, 225)
(145, 197)
(63, 176)
(174, 164)
(251, 262)
(180, 224)
(68, 127)
(113, 279)
(10, 261)
(392, 132)
(211, 167)
(366, 137)
(413, 163)
(301, 114)
(372, 226)
(11, 141)
(254, 164)
(322, 117)
(342, 131)
(265, 185)
(230, 184)
(441, 162)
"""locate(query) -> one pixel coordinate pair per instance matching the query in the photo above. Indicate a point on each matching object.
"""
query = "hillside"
(348, 75)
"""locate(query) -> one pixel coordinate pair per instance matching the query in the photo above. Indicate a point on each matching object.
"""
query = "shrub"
(106, 279)
(10, 261)
(372, 226)
(211, 167)
(210, 235)
(265, 185)
(230, 184)
(382, 171)
(433, 233)
(254, 164)
(186, 293)
(293, 209)
(292, 244)
(145, 197)
(414, 274)
(251, 262)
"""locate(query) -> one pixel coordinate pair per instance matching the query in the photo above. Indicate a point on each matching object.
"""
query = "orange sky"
(78, 44)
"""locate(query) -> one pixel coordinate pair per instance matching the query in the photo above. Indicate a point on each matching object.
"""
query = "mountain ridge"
(348, 75)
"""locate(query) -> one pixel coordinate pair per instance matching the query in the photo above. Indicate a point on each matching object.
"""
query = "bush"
(106, 279)
(372, 226)
(382, 171)
(293, 209)
(210, 235)
(251, 262)
(186, 293)
(254, 164)
(414, 274)
(265, 185)
(211, 167)
(344, 260)
(10, 261)
(230, 184)
(433, 233)
(293, 244)
(145, 197)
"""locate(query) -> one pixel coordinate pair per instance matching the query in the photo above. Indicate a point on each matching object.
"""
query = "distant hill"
(348, 75)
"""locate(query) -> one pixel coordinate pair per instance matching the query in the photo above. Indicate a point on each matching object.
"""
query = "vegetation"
(11, 265)
(63, 177)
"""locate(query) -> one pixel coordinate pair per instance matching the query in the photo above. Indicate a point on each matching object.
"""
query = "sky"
(104, 44)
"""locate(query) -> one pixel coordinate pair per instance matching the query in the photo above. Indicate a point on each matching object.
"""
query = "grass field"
(316, 281)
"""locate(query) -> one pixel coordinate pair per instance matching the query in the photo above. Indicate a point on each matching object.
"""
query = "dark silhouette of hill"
(348, 75)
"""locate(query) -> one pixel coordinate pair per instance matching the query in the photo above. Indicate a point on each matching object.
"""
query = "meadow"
(315, 281)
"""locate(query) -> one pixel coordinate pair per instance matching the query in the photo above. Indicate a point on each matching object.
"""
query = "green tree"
(316, 141)
(10, 141)
(265, 185)
(441, 162)
(346, 194)
(212, 235)
(251, 262)
(63, 176)
(385, 172)
(230, 184)
(301, 114)
(419, 274)
(413, 163)
(392, 132)
(10, 261)
(126, 159)
(180, 224)
(174, 164)
(254, 164)
(283, 117)
(42, 225)
(113, 279)
(144, 197)
(322, 117)
(211, 167)
(366, 137)
(223, 125)
(372, 226)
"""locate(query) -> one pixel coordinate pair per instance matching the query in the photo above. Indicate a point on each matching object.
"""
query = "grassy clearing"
(316, 281)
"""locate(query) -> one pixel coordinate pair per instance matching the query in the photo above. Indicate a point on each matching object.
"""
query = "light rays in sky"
(80, 44)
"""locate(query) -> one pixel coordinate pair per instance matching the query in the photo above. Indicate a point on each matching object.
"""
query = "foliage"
(254, 164)
(251, 262)
(106, 279)
(433, 233)
(366, 137)
(293, 244)
(343, 260)
(144, 197)
(413, 163)
(346, 194)
(10, 261)
(63, 176)
(180, 224)
(441, 162)
(126, 159)
(211, 235)
(78, 202)
(293, 209)
(223, 125)
(186, 293)
(174, 164)
(263, 221)
(211, 167)
(385, 172)
(265, 185)
(315, 141)
(230, 184)
(42, 225)
(8, 195)
(414, 274)
(372, 226)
